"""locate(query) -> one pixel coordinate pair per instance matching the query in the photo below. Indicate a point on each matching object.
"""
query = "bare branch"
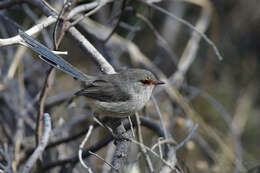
(149, 123)
(171, 166)
(162, 42)
(121, 152)
(187, 24)
(32, 31)
(166, 135)
(101, 3)
(47, 85)
(7, 158)
(189, 53)
(142, 148)
(82, 8)
(86, 45)
(42, 144)
(192, 131)
(99, 157)
(81, 147)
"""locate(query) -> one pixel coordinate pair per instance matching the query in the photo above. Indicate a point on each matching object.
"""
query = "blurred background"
(222, 96)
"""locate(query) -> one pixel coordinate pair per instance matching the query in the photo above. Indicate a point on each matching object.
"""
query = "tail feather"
(52, 59)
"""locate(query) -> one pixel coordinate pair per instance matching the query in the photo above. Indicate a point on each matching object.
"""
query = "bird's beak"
(158, 82)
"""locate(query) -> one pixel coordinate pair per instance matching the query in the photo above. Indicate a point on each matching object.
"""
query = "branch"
(149, 123)
(44, 92)
(166, 134)
(121, 153)
(86, 46)
(170, 165)
(81, 147)
(7, 158)
(143, 149)
(9, 3)
(76, 35)
(40, 148)
(192, 131)
(189, 53)
(32, 31)
(187, 24)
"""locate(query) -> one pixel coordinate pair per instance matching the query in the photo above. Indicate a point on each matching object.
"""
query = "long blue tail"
(54, 60)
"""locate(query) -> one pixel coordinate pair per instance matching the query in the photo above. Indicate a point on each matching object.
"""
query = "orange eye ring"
(147, 82)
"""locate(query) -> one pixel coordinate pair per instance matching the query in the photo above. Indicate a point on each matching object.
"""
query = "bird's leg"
(111, 125)
(119, 131)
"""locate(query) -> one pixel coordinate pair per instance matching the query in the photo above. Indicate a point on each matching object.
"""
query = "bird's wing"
(103, 90)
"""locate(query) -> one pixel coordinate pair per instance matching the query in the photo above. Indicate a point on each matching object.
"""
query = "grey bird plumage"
(120, 94)
(116, 95)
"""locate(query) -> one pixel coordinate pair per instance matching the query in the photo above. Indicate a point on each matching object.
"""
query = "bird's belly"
(116, 109)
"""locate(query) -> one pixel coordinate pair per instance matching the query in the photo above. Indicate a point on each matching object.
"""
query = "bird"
(115, 95)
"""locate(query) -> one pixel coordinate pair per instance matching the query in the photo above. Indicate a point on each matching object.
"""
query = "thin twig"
(140, 138)
(7, 158)
(42, 23)
(44, 92)
(131, 125)
(32, 31)
(192, 131)
(99, 157)
(227, 118)
(192, 47)
(118, 7)
(160, 116)
(154, 153)
(187, 24)
(164, 141)
(15, 62)
(81, 147)
(172, 160)
(82, 8)
(101, 3)
(160, 147)
(162, 42)
(149, 123)
(96, 119)
(42, 144)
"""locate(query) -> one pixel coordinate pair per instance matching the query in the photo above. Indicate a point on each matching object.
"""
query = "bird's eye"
(146, 82)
